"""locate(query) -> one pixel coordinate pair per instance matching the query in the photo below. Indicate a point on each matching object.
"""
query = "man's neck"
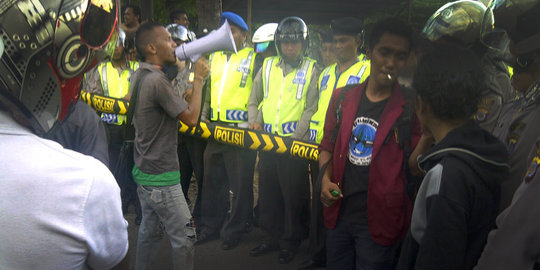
(377, 93)
(441, 129)
(119, 63)
(131, 25)
(342, 66)
(153, 62)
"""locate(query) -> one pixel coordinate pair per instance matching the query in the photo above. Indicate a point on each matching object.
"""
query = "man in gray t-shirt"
(156, 171)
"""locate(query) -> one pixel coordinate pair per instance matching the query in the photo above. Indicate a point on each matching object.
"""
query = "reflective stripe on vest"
(116, 86)
(328, 82)
(285, 95)
(231, 81)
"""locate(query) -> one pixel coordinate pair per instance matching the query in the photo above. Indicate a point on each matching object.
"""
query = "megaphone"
(219, 40)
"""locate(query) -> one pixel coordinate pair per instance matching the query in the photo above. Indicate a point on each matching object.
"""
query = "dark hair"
(450, 79)
(144, 36)
(136, 10)
(326, 36)
(175, 13)
(392, 26)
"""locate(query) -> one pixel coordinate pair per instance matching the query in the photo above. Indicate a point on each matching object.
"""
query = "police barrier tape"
(246, 138)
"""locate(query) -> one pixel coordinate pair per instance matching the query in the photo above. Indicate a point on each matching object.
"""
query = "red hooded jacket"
(388, 206)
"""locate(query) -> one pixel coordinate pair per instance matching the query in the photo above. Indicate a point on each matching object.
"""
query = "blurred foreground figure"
(58, 209)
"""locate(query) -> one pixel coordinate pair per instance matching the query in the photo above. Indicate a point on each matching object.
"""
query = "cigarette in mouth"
(389, 77)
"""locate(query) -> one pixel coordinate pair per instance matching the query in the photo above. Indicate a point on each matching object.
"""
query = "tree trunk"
(209, 13)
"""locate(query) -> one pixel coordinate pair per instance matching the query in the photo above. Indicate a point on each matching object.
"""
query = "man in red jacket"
(369, 132)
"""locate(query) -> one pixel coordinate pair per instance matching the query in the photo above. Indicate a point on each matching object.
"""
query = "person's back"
(58, 209)
(83, 131)
(457, 202)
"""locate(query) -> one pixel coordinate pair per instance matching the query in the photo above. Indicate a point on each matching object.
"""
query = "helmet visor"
(99, 23)
(262, 47)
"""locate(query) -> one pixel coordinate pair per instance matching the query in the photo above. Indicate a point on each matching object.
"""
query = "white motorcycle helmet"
(263, 36)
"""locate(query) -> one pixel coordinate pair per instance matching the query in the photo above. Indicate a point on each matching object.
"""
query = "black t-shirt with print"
(356, 174)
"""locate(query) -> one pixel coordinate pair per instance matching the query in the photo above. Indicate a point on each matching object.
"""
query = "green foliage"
(162, 8)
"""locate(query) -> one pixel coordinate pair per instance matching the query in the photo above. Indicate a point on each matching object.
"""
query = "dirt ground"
(210, 256)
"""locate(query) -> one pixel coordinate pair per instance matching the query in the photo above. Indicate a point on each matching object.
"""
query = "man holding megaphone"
(227, 167)
(156, 106)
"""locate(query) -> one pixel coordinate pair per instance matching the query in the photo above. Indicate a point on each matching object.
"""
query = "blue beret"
(234, 19)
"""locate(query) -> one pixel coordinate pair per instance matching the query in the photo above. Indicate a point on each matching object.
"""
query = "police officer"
(328, 54)
(459, 23)
(263, 43)
(514, 244)
(112, 79)
(180, 17)
(227, 167)
(517, 126)
(349, 70)
(286, 87)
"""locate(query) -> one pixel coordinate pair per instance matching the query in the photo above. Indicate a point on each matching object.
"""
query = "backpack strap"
(403, 132)
(404, 124)
(129, 130)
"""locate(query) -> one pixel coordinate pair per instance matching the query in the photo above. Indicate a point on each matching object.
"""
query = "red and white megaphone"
(219, 40)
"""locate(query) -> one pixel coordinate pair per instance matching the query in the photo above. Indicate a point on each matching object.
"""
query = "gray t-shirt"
(156, 129)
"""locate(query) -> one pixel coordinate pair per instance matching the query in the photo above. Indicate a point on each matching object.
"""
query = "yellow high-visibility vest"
(115, 86)
(284, 96)
(329, 81)
(231, 81)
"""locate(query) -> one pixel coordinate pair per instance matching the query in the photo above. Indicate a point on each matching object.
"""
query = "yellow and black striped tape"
(245, 138)
(104, 104)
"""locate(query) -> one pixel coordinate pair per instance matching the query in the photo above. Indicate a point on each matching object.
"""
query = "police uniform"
(228, 167)
(518, 129)
(287, 97)
(106, 80)
(498, 93)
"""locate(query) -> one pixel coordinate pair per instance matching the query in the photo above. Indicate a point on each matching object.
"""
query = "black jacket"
(457, 203)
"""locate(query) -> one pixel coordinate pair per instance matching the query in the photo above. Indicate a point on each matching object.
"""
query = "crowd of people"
(428, 150)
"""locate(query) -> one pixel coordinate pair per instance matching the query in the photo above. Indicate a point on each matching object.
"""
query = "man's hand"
(327, 188)
(201, 68)
(255, 126)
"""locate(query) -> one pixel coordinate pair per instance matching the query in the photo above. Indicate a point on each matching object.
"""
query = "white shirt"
(58, 209)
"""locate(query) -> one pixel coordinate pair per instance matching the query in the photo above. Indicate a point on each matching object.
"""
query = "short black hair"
(136, 10)
(326, 36)
(175, 13)
(392, 26)
(145, 36)
(450, 79)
